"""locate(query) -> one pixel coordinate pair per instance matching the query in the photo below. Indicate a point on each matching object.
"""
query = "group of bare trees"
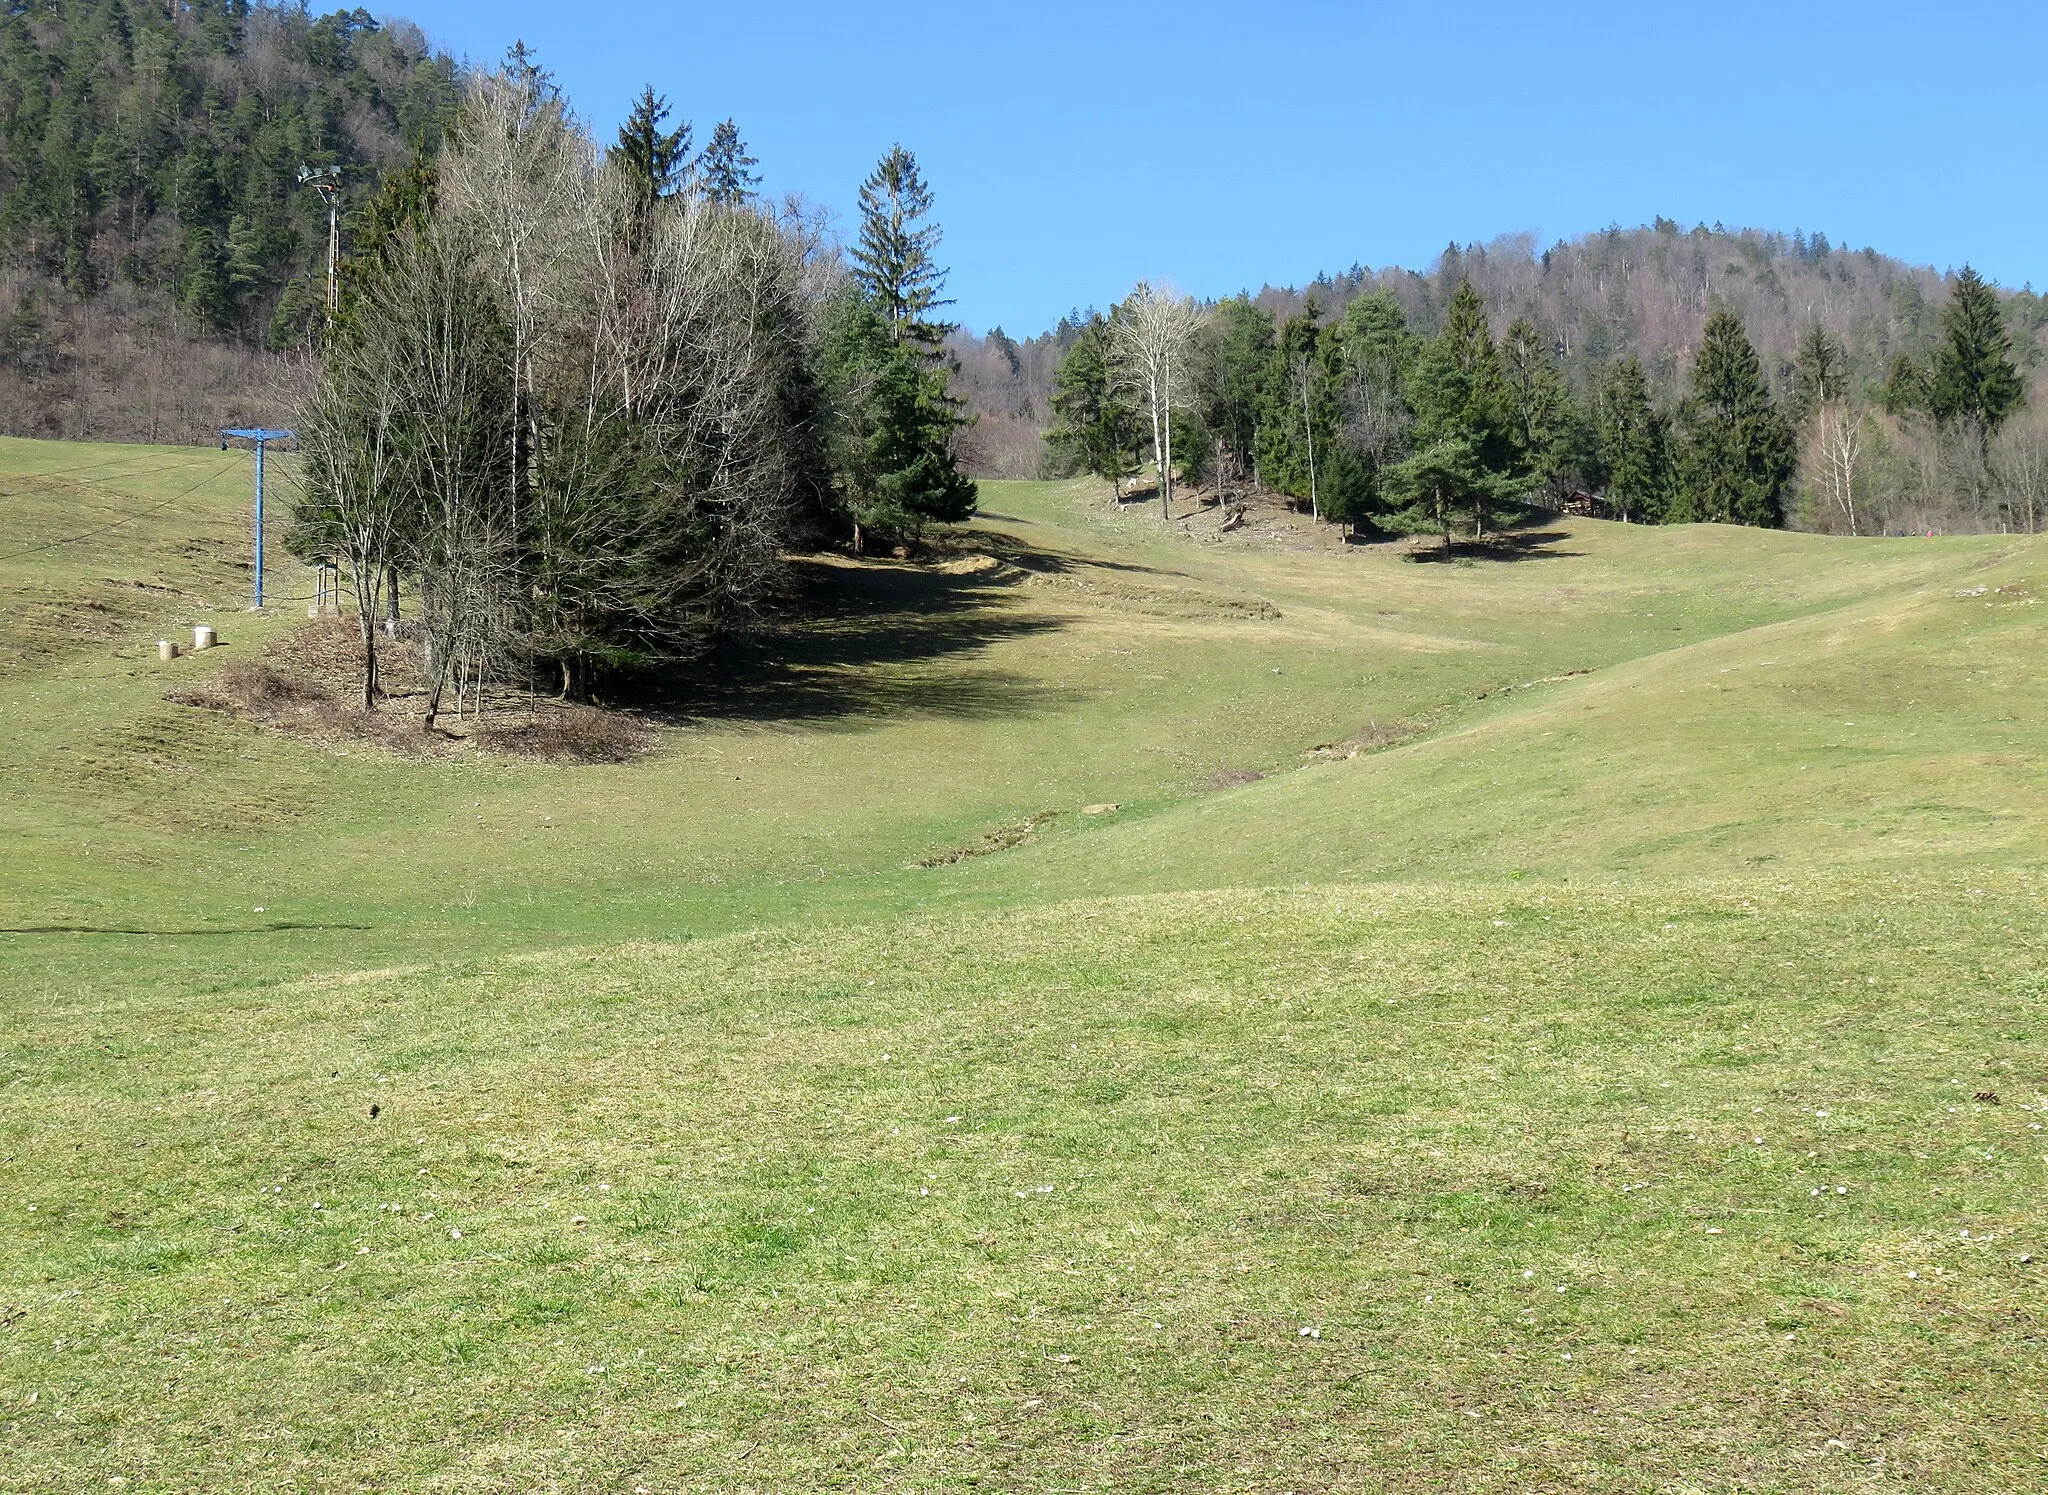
(576, 421)
(1866, 470)
(1151, 342)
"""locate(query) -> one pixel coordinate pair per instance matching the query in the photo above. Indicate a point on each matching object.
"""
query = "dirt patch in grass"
(309, 684)
(573, 734)
(1231, 778)
(1372, 738)
(1000, 839)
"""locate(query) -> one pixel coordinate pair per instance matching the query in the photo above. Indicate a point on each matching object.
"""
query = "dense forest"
(154, 235)
(1603, 356)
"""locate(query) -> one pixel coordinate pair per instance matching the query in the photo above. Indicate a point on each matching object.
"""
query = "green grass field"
(1558, 1070)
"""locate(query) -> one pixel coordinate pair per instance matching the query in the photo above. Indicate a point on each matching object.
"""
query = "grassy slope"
(1415, 1081)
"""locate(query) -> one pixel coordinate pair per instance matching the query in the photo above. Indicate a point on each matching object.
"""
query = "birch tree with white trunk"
(1838, 448)
(1153, 336)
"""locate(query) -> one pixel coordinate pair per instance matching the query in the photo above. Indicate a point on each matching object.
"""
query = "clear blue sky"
(1077, 147)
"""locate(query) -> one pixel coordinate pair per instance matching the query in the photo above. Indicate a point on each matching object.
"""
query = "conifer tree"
(654, 159)
(1456, 389)
(1820, 371)
(887, 360)
(725, 170)
(1234, 361)
(1464, 470)
(203, 291)
(1374, 353)
(1538, 407)
(1096, 426)
(1974, 379)
(1635, 444)
(1446, 486)
(891, 447)
(1298, 411)
(1736, 453)
(893, 261)
(1905, 386)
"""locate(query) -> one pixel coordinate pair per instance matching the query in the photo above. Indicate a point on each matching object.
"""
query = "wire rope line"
(219, 472)
(70, 473)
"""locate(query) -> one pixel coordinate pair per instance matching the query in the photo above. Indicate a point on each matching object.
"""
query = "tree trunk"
(391, 601)
(366, 624)
(1308, 430)
(1158, 465)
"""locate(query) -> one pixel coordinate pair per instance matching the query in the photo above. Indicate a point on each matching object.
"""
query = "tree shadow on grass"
(865, 642)
(1045, 560)
(274, 927)
(1513, 545)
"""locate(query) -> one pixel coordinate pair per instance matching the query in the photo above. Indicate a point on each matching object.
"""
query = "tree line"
(1371, 423)
(578, 403)
(158, 146)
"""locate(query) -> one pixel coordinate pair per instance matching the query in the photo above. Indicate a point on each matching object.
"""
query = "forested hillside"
(154, 234)
(1654, 373)
(1646, 293)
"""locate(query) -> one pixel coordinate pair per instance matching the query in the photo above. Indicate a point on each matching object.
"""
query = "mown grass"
(1663, 841)
(1045, 1201)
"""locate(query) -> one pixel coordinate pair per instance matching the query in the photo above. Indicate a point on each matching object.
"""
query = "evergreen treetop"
(1820, 370)
(654, 159)
(725, 170)
(1974, 377)
(1737, 453)
(1455, 388)
(893, 260)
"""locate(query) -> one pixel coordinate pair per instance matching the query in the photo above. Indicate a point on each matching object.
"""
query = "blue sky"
(1075, 148)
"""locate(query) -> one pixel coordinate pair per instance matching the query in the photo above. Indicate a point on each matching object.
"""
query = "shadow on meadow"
(1509, 545)
(869, 640)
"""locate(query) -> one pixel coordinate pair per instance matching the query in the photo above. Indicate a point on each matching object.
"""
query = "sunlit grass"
(826, 1100)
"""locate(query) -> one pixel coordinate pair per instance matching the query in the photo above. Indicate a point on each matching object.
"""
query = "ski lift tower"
(326, 180)
(260, 436)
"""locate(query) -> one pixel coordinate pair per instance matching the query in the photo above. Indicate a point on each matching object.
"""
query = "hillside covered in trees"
(154, 238)
(1631, 371)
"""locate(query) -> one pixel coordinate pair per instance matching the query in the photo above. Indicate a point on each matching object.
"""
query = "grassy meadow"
(1567, 1020)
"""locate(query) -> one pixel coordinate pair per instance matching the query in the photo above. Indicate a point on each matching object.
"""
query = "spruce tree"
(1820, 372)
(725, 170)
(654, 159)
(203, 290)
(1635, 444)
(1096, 427)
(1974, 379)
(1456, 388)
(1905, 386)
(891, 446)
(1537, 406)
(1297, 412)
(1234, 366)
(1465, 469)
(1375, 353)
(893, 260)
(1736, 452)
(1447, 486)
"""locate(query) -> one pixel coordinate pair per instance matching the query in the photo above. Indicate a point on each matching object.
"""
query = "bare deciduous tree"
(517, 174)
(1153, 333)
(2019, 464)
(350, 432)
(1836, 450)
